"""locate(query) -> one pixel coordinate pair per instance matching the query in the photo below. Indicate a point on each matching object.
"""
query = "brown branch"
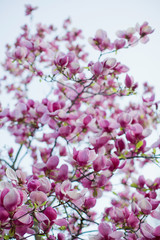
(74, 180)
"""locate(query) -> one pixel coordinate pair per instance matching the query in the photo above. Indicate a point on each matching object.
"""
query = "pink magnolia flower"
(50, 213)
(114, 163)
(104, 229)
(128, 35)
(90, 202)
(52, 162)
(87, 119)
(53, 106)
(62, 173)
(132, 221)
(38, 197)
(99, 163)
(128, 81)
(21, 176)
(149, 101)
(66, 23)
(65, 131)
(11, 174)
(145, 206)
(11, 198)
(134, 133)
(29, 9)
(144, 30)
(73, 35)
(62, 151)
(141, 181)
(73, 194)
(74, 68)
(28, 44)
(61, 60)
(121, 68)
(33, 185)
(20, 53)
(97, 68)
(119, 43)
(100, 41)
(61, 222)
(100, 142)
(120, 144)
(45, 185)
(83, 157)
(107, 233)
(87, 123)
(61, 236)
(108, 125)
(155, 203)
(109, 63)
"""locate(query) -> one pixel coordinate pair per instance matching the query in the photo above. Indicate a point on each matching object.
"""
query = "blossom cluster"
(79, 138)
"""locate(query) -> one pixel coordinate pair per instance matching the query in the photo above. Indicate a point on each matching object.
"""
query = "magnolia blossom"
(29, 9)
(83, 147)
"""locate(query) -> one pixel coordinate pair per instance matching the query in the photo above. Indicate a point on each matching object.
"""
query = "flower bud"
(90, 202)
(50, 213)
(52, 162)
(128, 81)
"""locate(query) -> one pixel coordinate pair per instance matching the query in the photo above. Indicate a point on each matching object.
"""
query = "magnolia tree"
(80, 140)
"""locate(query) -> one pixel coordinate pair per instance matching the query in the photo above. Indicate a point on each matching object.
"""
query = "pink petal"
(11, 200)
(52, 162)
(45, 185)
(50, 213)
(145, 206)
(147, 230)
(61, 222)
(11, 174)
(66, 186)
(23, 217)
(104, 229)
(61, 236)
(156, 214)
(3, 214)
(41, 217)
(38, 197)
(116, 235)
(157, 231)
(74, 194)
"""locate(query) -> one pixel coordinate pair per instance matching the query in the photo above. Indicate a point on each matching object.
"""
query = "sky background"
(90, 15)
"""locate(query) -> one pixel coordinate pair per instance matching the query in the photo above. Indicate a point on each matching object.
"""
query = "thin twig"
(19, 150)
